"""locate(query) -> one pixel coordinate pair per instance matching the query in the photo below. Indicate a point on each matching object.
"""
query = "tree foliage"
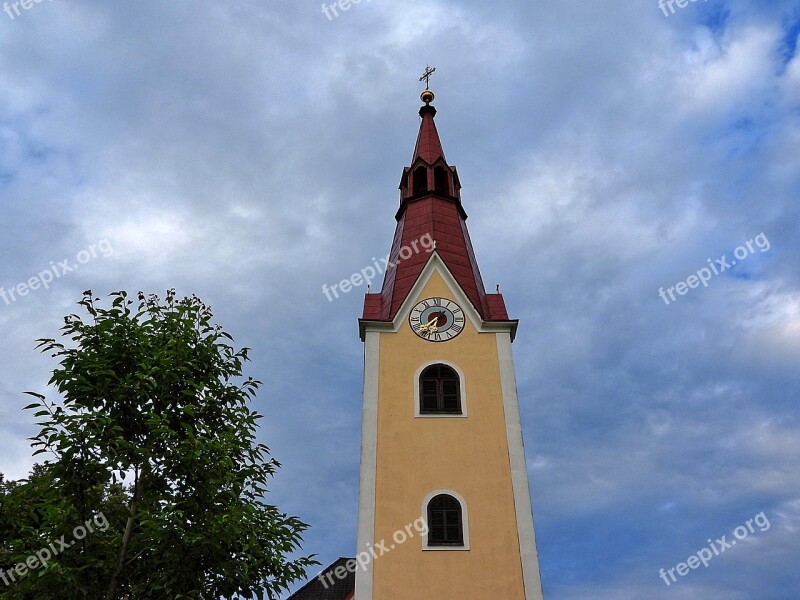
(154, 425)
(34, 516)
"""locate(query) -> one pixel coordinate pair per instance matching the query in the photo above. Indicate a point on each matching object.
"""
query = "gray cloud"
(251, 154)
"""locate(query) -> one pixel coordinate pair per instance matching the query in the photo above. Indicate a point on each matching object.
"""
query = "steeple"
(441, 432)
(429, 147)
(431, 211)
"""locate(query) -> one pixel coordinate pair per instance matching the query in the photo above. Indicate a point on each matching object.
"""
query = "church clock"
(437, 319)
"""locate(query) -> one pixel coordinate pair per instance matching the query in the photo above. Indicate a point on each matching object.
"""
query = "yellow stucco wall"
(416, 456)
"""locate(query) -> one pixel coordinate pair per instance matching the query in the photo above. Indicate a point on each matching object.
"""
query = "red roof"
(433, 212)
(429, 146)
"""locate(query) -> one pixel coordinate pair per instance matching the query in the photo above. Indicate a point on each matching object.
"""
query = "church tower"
(441, 435)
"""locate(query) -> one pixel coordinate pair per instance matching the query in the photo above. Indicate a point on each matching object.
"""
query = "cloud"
(251, 154)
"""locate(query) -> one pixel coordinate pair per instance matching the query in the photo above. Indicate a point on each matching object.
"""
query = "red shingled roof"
(436, 213)
(429, 146)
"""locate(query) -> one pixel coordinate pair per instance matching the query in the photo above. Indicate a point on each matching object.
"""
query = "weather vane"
(426, 76)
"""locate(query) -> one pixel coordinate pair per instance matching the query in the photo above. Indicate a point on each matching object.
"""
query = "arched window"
(440, 180)
(439, 391)
(420, 180)
(445, 522)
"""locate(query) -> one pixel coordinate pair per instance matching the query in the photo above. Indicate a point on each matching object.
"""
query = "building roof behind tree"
(327, 586)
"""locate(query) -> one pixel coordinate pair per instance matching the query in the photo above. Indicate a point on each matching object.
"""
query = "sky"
(610, 152)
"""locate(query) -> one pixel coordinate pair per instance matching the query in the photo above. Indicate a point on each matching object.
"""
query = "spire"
(431, 212)
(429, 147)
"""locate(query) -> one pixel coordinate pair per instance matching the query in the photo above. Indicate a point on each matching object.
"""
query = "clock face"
(437, 319)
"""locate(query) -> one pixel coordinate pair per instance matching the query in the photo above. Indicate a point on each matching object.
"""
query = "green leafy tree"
(152, 394)
(35, 518)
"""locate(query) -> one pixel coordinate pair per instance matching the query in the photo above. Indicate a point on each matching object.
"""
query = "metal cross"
(426, 77)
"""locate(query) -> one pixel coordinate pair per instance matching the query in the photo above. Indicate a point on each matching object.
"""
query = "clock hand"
(426, 325)
(430, 326)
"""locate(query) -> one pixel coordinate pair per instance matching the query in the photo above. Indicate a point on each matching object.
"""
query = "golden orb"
(427, 96)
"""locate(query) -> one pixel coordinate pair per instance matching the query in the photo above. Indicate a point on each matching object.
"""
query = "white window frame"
(464, 522)
(462, 385)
